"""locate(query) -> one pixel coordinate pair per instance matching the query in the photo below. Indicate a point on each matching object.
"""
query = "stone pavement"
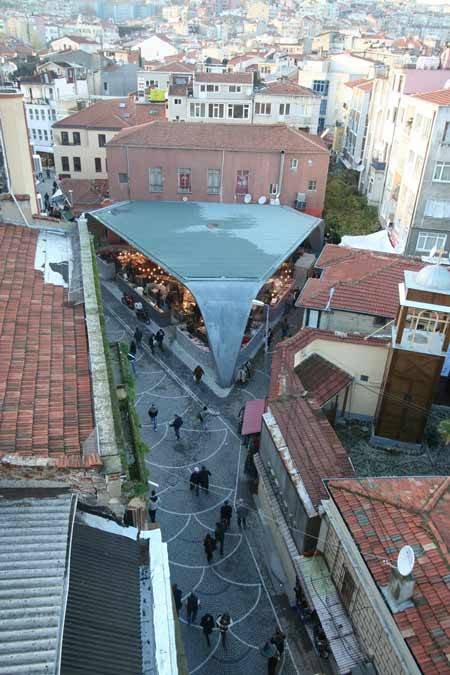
(237, 582)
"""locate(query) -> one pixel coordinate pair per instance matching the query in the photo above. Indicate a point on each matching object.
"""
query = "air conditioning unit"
(300, 201)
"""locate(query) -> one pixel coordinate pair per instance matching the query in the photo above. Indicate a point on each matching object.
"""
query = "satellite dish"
(262, 199)
(405, 561)
(247, 199)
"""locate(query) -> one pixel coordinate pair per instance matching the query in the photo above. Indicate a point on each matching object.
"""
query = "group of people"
(273, 651)
(222, 623)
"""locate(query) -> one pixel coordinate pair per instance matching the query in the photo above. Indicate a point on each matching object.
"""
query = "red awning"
(253, 413)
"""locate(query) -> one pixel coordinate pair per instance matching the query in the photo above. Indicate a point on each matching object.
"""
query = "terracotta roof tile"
(441, 97)
(321, 379)
(414, 511)
(45, 388)
(363, 281)
(114, 114)
(286, 88)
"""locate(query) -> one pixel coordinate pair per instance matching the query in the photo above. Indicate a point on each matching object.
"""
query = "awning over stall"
(253, 413)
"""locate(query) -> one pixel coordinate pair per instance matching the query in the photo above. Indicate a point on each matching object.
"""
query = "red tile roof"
(384, 514)
(313, 444)
(321, 379)
(114, 114)
(45, 387)
(286, 88)
(365, 85)
(244, 137)
(224, 78)
(363, 281)
(173, 67)
(440, 97)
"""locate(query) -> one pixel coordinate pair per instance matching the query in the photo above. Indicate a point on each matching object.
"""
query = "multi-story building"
(219, 163)
(161, 76)
(328, 76)
(287, 102)
(356, 122)
(80, 139)
(75, 42)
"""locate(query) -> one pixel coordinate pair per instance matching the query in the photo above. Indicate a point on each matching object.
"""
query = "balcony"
(426, 342)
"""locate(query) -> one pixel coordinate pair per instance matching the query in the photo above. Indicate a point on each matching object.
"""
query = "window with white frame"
(238, 111)
(446, 134)
(42, 114)
(216, 110)
(156, 179)
(198, 109)
(293, 164)
(312, 185)
(442, 172)
(31, 113)
(40, 134)
(263, 108)
(429, 240)
(212, 87)
(213, 181)
(33, 133)
(285, 108)
(242, 179)
(234, 88)
(45, 135)
(53, 114)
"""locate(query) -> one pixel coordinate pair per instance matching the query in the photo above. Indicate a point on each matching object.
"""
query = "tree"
(444, 430)
(346, 211)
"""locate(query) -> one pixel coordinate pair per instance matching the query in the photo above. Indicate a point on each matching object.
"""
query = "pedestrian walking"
(203, 415)
(153, 506)
(242, 513)
(159, 337)
(207, 623)
(223, 623)
(151, 342)
(192, 605)
(176, 423)
(177, 596)
(210, 547)
(55, 187)
(226, 512)
(198, 374)
(204, 478)
(132, 356)
(153, 414)
(219, 536)
(284, 327)
(138, 337)
(278, 639)
(270, 652)
(194, 480)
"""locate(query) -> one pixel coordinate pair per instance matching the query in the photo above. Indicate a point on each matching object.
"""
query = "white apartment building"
(161, 76)
(415, 201)
(289, 103)
(356, 123)
(328, 76)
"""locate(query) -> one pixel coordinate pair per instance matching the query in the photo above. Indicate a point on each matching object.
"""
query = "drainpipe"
(221, 176)
(280, 173)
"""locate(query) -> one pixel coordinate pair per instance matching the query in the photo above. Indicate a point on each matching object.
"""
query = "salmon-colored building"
(173, 161)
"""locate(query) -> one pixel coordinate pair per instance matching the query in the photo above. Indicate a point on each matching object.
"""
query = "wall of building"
(87, 151)
(360, 361)
(115, 81)
(348, 322)
(304, 111)
(264, 169)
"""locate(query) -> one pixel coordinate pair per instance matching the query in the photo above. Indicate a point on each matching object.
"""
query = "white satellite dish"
(247, 199)
(405, 561)
(262, 199)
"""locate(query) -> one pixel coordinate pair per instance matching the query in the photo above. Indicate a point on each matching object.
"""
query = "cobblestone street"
(237, 582)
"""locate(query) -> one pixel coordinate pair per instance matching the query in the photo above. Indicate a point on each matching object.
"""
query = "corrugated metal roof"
(34, 536)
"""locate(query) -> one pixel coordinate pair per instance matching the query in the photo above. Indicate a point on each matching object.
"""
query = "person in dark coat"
(153, 414)
(219, 536)
(151, 342)
(194, 481)
(153, 506)
(204, 478)
(223, 623)
(270, 652)
(207, 623)
(192, 605)
(226, 512)
(242, 513)
(284, 327)
(132, 356)
(278, 639)
(198, 374)
(177, 595)
(210, 547)
(159, 337)
(138, 337)
(176, 423)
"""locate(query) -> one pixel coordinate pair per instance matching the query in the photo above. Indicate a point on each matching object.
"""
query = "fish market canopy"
(223, 253)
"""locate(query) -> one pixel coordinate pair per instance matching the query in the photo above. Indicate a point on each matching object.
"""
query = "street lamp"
(260, 303)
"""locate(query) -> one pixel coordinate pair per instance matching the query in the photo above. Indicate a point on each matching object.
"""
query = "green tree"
(346, 211)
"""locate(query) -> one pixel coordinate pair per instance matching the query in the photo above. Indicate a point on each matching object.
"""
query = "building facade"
(220, 163)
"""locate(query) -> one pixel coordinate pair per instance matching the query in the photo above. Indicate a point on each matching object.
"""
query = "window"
(53, 114)
(40, 134)
(428, 240)
(238, 112)
(212, 87)
(156, 180)
(442, 172)
(184, 180)
(42, 114)
(293, 165)
(285, 108)
(101, 140)
(364, 378)
(50, 92)
(64, 138)
(347, 588)
(177, 101)
(203, 87)
(312, 185)
(76, 138)
(45, 135)
(323, 106)
(242, 181)
(65, 164)
(76, 164)
(263, 108)
(215, 110)
(33, 132)
(98, 164)
(51, 135)
(320, 87)
(31, 113)
(234, 89)
(105, 86)
(446, 136)
(213, 181)
(123, 178)
(49, 113)
(198, 109)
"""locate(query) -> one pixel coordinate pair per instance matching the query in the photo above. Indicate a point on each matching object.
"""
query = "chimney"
(398, 593)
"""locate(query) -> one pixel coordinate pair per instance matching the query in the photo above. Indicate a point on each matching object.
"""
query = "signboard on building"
(157, 95)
